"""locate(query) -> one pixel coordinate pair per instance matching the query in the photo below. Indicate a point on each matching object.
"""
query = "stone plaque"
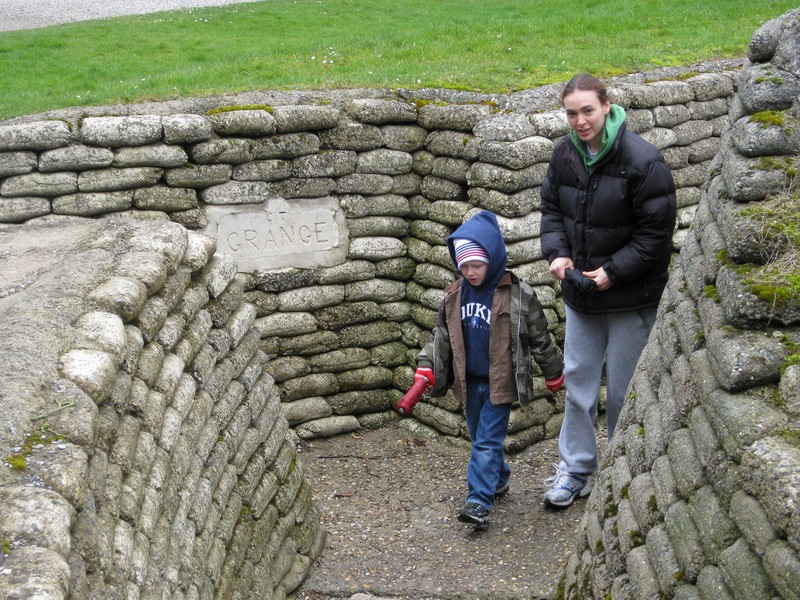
(304, 233)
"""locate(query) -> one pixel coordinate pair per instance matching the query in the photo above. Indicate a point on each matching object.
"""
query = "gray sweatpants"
(617, 339)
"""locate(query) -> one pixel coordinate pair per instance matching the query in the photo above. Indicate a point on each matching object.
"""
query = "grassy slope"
(495, 46)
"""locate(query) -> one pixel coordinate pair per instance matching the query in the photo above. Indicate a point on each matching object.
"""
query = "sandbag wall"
(143, 450)
(698, 494)
(342, 339)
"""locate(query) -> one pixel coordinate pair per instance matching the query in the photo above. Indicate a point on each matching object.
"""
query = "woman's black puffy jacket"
(621, 218)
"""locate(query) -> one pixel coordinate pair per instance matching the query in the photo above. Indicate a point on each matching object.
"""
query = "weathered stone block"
(504, 127)
(671, 115)
(686, 468)
(304, 118)
(376, 248)
(685, 540)
(39, 184)
(783, 566)
(451, 169)
(449, 143)
(93, 203)
(437, 188)
(348, 313)
(384, 161)
(378, 290)
(286, 146)
(378, 112)
(351, 135)
(40, 135)
(109, 180)
(456, 117)
(156, 155)
(242, 122)
(517, 154)
(506, 180)
(198, 176)
(186, 128)
(114, 132)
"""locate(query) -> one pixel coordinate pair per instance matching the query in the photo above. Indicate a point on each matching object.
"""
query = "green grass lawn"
(493, 46)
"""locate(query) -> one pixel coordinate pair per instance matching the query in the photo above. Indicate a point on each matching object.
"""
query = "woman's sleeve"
(552, 235)
(653, 199)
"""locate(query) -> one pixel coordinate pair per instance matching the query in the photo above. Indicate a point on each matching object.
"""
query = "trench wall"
(698, 496)
(144, 454)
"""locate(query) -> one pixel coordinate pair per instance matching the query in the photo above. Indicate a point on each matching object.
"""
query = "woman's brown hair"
(587, 83)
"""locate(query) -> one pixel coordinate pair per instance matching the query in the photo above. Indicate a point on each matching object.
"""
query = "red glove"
(426, 373)
(554, 384)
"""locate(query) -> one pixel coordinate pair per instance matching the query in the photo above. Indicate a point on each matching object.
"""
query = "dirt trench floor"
(389, 500)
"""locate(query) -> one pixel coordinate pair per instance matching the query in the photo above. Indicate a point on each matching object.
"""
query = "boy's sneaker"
(565, 487)
(502, 490)
(472, 512)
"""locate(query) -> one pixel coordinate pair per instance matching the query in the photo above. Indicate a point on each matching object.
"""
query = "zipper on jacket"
(581, 254)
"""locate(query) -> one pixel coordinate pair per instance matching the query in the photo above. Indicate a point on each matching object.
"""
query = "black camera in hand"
(580, 281)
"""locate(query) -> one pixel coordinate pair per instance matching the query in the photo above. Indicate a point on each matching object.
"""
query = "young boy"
(489, 325)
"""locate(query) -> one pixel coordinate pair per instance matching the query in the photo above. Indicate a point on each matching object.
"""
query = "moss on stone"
(235, 107)
(637, 539)
(711, 292)
(777, 281)
(770, 79)
(420, 102)
(19, 460)
(767, 118)
(790, 435)
(793, 360)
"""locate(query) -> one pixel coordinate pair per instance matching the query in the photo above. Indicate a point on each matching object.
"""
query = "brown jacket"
(517, 333)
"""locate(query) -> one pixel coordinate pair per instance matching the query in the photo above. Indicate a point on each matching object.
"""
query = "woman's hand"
(559, 265)
(601, 280)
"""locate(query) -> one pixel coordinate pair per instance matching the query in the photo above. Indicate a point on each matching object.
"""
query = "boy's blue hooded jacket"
(476, 302)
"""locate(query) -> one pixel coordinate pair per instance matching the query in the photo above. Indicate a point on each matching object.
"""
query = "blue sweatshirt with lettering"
(476, 302)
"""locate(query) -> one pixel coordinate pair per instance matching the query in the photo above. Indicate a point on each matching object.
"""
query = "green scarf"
(614, 120)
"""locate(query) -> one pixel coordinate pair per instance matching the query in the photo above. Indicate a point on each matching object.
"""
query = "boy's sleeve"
(435, 355)
(543, 349)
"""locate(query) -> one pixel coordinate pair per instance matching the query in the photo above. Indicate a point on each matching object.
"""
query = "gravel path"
(32, 14)
(389, 500)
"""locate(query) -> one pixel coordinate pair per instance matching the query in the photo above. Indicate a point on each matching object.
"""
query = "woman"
(608, 214)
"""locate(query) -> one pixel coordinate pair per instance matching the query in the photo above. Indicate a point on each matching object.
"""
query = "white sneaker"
(564, 487)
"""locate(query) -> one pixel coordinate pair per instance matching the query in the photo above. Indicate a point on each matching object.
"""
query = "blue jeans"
(488, 425)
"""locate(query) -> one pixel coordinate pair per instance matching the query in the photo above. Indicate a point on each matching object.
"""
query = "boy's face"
(474, 271)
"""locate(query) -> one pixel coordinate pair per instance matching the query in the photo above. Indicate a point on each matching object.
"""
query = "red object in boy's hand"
(422, 379)
(426, 373)
(554, 384)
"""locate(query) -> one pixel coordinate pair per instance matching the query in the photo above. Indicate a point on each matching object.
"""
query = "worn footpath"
(389, 499)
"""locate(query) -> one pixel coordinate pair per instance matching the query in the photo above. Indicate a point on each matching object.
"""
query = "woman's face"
(587, 116)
